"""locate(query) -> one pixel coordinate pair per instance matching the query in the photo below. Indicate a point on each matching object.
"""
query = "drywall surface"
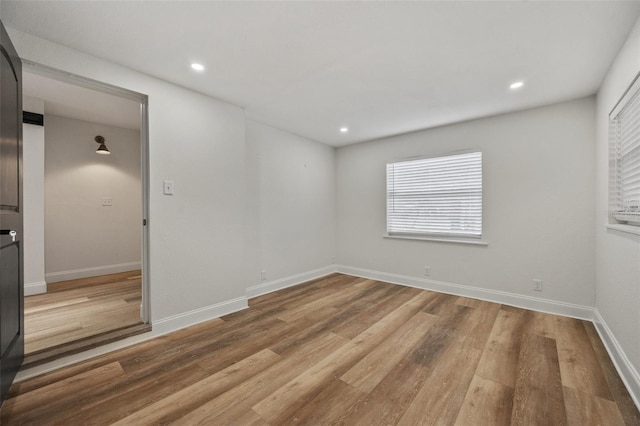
(196, 245)
(93, 202)
(617, 253)
(292, 185)
(33, 193)
(538, 175)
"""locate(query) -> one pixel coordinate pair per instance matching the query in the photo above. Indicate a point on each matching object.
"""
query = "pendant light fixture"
(102, 149)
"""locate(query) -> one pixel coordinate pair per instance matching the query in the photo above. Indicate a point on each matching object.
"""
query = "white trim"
(31, 289)
(196, 316)
(177, 322)
(78, 80)
(143, 99)
(631, 229)
(626, 370)
(145, 305)
(160, 328)
(402, 178)
(628, 94)
(75, 274)
(503, 297)
(452, 240)
(442, 154)
(624, 367)
(271, 286)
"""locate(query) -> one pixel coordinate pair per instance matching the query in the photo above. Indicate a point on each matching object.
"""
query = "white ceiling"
(380, 68)
(68, 100)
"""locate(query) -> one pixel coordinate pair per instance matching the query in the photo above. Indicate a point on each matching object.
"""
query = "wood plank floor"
(74, 315)
(345, 350)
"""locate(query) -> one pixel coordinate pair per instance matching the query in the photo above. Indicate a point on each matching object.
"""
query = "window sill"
(630, 229)
(438, 239)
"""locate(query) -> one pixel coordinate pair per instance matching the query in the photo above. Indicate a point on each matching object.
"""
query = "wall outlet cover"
(537, 285)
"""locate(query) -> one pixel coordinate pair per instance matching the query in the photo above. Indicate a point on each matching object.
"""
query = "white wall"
(245, 205)
(617, 253)
(197, 267)
(538, 217)
(292, 188)
(83, 238)
(33, 190)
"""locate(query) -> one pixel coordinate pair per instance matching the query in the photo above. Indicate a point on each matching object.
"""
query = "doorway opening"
(86, 233)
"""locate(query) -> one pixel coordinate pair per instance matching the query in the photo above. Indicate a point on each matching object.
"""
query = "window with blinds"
(624, 133)
(437, 196)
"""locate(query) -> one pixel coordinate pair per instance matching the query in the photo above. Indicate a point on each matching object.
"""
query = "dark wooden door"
(11, 267)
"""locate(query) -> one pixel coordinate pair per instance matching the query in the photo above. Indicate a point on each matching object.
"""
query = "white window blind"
(624, 132)
(438, 196)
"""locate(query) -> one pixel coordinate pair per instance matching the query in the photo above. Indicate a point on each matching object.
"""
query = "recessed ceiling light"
(516, 85)
(344, 129)
(197, 67)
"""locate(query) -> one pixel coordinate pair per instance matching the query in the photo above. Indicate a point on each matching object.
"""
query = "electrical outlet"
(263, 275)
(537, 285)
(427, 271)
(107, 202)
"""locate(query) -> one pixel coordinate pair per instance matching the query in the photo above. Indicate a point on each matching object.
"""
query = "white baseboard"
(177, 322)
(74, 274)
(159, 328)
(196, 316)
(520, 301)
(31, 289)
(275, 285)
(625, 368)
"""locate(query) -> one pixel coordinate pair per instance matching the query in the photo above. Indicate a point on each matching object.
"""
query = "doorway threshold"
(55, 352)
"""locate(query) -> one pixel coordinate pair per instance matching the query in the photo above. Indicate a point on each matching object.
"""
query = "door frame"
(78, 80)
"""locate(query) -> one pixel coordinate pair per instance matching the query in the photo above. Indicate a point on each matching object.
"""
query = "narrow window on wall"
(624, 157)
(436, 196)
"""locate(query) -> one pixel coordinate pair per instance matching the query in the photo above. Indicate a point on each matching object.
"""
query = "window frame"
(449, 237)
(621, 219)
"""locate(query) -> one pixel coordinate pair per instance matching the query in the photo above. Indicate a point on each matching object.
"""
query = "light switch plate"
(167, 187)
